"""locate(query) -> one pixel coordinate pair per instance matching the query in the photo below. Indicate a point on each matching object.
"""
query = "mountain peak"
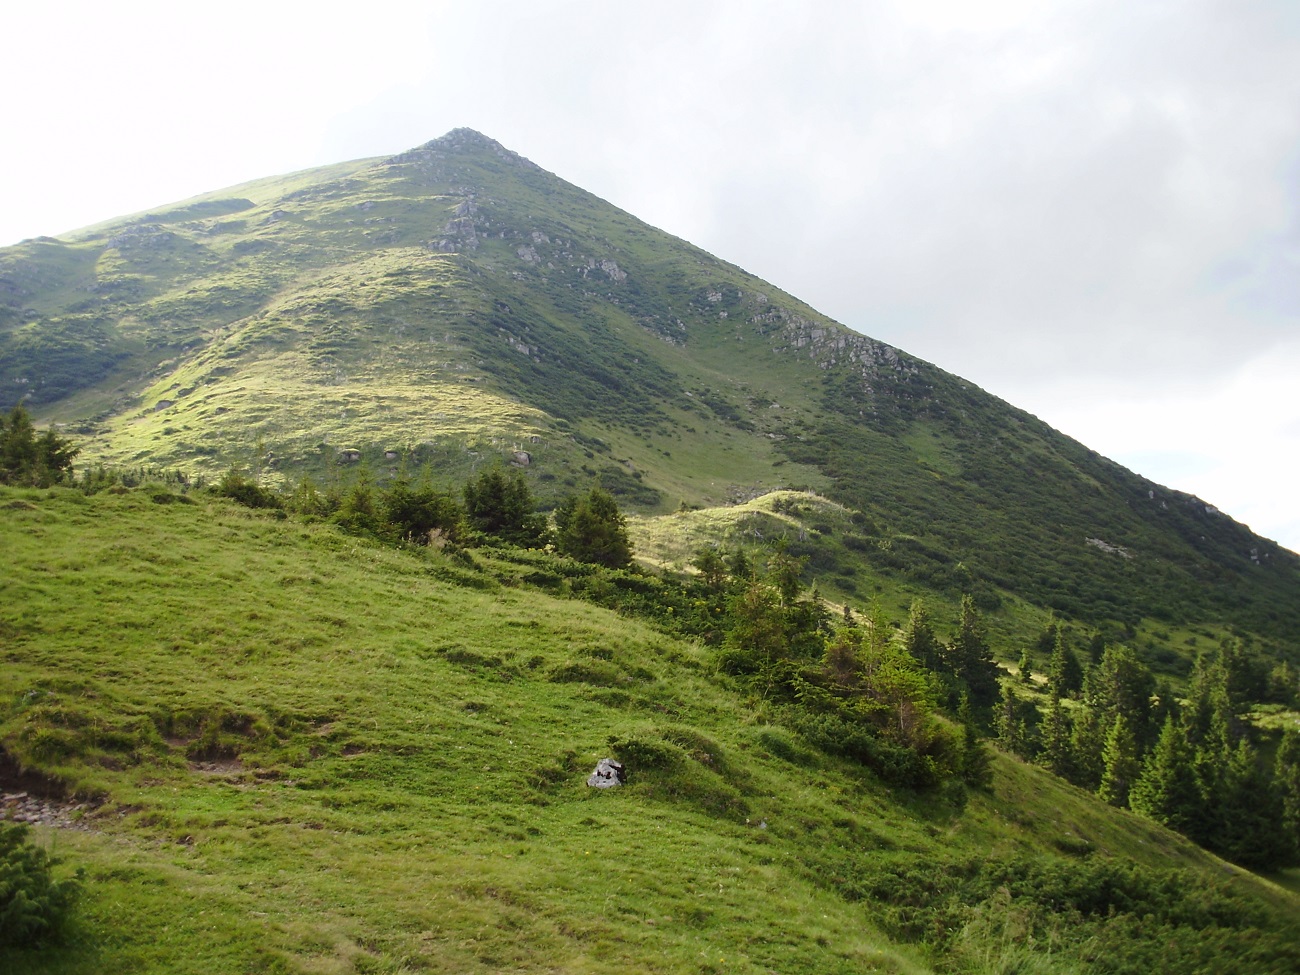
(462, 138)
(463, 141)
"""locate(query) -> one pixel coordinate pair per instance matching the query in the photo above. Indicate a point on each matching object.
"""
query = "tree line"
(29, 460)
(495, 507)
(1192, 764)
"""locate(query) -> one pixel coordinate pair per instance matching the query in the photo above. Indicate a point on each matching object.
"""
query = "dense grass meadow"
(298, 751)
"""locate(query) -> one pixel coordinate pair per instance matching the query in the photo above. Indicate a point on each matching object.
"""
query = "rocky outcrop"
(20, 807)
(608, 774)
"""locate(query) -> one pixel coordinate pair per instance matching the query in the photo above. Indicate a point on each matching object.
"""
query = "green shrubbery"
(34, 905)
(26, 459)
(1101, 914)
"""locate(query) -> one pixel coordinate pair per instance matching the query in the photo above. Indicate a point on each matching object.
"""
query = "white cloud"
(1070, 195)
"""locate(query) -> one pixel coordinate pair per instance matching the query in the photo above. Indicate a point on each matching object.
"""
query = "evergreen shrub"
(34, 906)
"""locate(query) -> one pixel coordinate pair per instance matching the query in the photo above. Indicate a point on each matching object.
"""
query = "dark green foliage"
(1087, 740)
(34, 905)
(756, 636)
(1093, 914)
(361, 511)
(712, 569)
(29, 460)
(919, 637)
(499, 505)
(1025, 667)
(1064, 674)
(977, 760)
(1252, 828)
(897, 764)
(969, 657)
(1054, 736)
(1166, 791)
(1013, 723)
(1286, 779)
(1121, 765)
(422, 514)
(1123, 685)
(245, 491)
(590, 528)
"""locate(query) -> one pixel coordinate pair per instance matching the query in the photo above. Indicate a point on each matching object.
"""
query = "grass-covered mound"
(305, 752)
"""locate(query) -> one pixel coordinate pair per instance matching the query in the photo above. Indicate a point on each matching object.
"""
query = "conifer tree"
(1211, 710)
(1120, 763)
(1009, 724)
(1252, 812)
(1064, 675)
(1122, 684)
(739, 566)
(970, 658)
(28, 459)
(1166, 790)
(594, 530)
(1087, 742)
(1048, 637)
(500, 505)
(785, 571)
(756, 639)
(712, 569)
(919, 638)
(1055, 737)
(1286, 779)
(1025, 667)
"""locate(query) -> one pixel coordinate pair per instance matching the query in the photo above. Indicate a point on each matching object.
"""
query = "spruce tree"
(500, 505)
(1056, 669)
(1286, 778)
(1087, 742)
(1009, 724)
(1251, 811)
(1025, 667)
(595, 531)
(919, 637)
(1054, 734)
(1120, 763)
(1166, 790)
(1064, 675)
(970, 658)
(30, 460)
(712, 569)
(1122, 684)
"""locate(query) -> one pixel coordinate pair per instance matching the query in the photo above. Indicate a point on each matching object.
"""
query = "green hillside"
(345, 726)
(285, 749)
(457, 304)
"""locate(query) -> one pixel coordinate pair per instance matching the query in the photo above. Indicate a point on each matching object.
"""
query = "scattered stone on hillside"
(348, 456)
(523, 458)
(22, 807)
(607, 775)
(1107, 547)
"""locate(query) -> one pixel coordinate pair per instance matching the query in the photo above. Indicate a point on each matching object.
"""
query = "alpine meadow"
(351, 517)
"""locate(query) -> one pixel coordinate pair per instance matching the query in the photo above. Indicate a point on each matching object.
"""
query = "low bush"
(34, 906)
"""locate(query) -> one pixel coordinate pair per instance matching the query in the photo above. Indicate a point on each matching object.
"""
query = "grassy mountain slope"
(457, 303)
(309, 753)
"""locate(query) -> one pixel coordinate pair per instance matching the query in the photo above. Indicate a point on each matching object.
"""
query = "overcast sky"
(1087, 207)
